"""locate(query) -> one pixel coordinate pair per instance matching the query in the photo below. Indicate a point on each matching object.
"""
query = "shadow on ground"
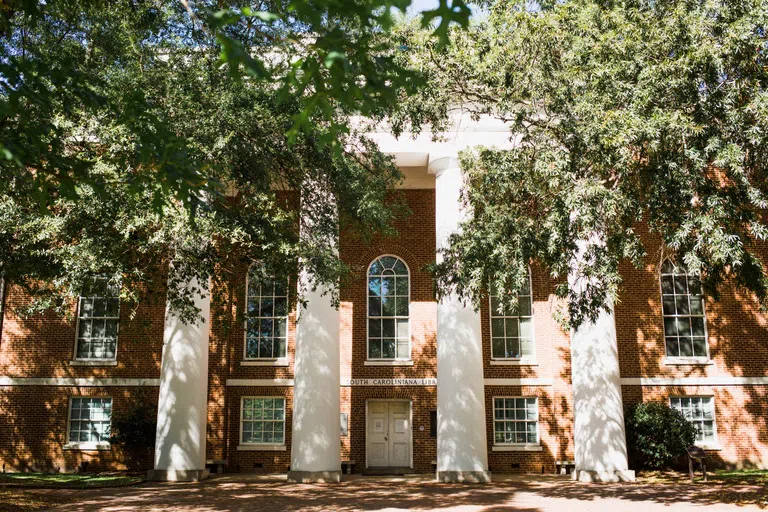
(526, 494)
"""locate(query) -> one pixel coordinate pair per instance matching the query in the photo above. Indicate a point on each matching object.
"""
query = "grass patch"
(68, 480)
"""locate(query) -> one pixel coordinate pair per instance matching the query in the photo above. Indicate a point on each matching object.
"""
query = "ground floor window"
(699, 410)
(262, 420)
(90, 420)
(515, 420)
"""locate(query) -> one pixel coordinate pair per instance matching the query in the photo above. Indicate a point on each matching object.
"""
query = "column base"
(313, 477)
(617, 475)
(177, 475)
(464, 477)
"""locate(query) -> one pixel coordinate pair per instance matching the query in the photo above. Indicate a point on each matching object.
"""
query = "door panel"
(378, 426)
(399, 434)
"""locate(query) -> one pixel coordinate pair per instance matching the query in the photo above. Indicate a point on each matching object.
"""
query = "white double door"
(389, 434)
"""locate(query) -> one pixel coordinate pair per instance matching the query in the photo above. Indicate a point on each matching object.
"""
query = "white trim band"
(76, 382)
(260, 382)
(695, 381)
(518, 382)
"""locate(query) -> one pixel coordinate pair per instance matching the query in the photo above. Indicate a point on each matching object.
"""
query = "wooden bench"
(349, 464)
(563, 466)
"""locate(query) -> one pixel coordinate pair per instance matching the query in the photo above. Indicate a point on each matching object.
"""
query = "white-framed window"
(98, 318)
(90, 420)
(389, 309)
(515, 420)
(266, 325)
(685, 323)
(512, 331)
(699, 410)
(262, 420)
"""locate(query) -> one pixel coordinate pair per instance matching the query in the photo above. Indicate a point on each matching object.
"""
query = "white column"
(183, 401)
(599, 436)
(316, 432)
(462, 450)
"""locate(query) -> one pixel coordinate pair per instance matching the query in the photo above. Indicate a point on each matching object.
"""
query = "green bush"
(134, 426)
(656, 434)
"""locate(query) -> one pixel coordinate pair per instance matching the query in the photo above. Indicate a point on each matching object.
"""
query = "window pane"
(374, 349)
(402, 349)
(401, 306)
(374, 328)
(374, 307)
(498, 348)
(388, 349)
(402, 286)
(388, 306)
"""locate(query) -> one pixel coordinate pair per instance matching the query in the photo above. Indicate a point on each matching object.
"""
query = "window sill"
(517, 448)
(394, 362)
(265, 362)
(261, 448)
(710, 447)
(691, 361)
(513, 362)
(94, 362)
(88, 446)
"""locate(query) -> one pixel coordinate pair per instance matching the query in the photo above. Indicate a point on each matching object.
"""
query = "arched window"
(685, 325)
(388, 309)
(512, 331)
(266, 330)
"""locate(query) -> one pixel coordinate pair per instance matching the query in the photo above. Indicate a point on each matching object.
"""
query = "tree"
(620, 114)
(125, 143)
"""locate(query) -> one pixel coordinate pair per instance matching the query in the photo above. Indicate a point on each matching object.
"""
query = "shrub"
(657, 434)
(134, 426)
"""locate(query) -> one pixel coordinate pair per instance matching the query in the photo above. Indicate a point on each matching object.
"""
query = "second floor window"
(512, 331)
(266, 330)
(98, 316)
(685, 333)
(388, 309)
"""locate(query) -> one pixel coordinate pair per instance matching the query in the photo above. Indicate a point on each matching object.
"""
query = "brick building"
(392, 378)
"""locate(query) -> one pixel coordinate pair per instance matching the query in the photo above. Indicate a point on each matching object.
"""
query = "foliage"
(127, 146)
(60, 59)
(657, 434)
(622, 115)
(134, 426)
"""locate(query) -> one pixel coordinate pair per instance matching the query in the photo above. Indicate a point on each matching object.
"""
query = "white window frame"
(265, 361)
(86, 445)
(280, 446)
(384, 361)
(682, 360)
(92, 361)
(714, 444)
(515, 446)
(523, 359)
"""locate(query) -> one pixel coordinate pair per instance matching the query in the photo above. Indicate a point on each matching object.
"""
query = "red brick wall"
(34, 425)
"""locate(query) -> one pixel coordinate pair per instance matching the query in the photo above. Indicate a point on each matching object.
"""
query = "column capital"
(438, 163)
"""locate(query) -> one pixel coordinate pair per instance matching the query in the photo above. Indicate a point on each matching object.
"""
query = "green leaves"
(627, 118)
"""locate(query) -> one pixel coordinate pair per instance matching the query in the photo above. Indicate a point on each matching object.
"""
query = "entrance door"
(389, 434)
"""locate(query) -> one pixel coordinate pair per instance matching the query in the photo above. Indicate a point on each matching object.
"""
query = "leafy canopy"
(126, 144)
(59, 59)
(622, 115)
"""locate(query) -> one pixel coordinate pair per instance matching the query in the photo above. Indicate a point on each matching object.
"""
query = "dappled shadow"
(525, 494)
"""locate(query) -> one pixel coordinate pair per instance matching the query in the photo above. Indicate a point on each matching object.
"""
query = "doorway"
(389, 436)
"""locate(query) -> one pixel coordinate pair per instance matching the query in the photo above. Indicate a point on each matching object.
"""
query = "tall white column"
(183, 401)
(316, 433)
(462, 450)
(599, 435)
